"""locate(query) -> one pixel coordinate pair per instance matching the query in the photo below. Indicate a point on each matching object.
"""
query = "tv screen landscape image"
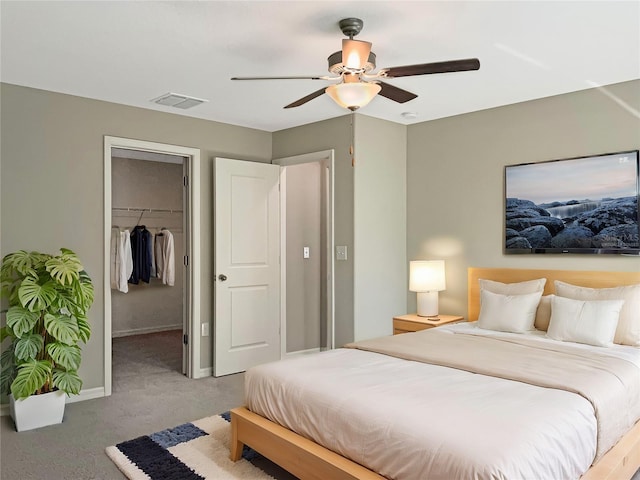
(575, 205)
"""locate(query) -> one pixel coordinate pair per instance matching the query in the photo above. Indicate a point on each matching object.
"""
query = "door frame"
(327, 155)
(192, 244)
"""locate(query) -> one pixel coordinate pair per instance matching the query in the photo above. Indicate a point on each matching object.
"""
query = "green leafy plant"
(48, 298)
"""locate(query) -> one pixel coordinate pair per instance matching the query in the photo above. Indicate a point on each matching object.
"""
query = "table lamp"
(427, 279)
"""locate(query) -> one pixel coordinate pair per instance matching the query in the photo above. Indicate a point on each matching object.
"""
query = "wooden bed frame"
(308, 460)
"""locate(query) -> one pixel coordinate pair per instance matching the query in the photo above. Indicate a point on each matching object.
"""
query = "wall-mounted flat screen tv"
(574, 205)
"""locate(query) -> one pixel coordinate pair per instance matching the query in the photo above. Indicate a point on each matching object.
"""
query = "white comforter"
(412, 420)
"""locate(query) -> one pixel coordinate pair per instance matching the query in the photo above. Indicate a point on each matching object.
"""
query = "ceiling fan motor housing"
(351, 26)
(337, 67)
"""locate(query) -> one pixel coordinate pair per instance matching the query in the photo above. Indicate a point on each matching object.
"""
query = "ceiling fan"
(352, 67)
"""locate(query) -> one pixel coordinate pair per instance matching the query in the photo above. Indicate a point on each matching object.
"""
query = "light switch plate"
(205, 329)
(305, 252)
(341, 252)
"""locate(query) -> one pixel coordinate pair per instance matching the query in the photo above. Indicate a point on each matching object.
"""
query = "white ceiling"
(132, 52)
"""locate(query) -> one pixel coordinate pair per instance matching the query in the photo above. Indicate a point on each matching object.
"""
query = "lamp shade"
(353, 95)
(426, 276)
(355, 54)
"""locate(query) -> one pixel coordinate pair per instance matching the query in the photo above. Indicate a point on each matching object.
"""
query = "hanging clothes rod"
(143, 210)
(157, 229)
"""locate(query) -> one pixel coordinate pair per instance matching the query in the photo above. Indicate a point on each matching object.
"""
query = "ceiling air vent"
(178, 100)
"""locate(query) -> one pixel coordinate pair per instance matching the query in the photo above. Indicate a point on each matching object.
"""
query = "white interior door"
(247, 267)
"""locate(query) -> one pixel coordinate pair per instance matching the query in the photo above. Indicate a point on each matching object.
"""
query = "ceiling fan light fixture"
(353, 95)
(355, 54)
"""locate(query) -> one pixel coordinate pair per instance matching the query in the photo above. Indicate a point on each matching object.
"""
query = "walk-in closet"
(147, 252)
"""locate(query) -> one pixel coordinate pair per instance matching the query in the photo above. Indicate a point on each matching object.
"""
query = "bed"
(480, 430)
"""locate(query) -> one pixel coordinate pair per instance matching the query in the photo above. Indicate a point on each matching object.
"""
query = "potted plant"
(48, 299)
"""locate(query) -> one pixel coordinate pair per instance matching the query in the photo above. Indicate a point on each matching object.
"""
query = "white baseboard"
(303, 352)
(88, 394)
(203, 372)
(142, 331)
(208, 372)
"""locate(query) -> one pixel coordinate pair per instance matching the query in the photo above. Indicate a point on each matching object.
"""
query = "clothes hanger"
(140, 218)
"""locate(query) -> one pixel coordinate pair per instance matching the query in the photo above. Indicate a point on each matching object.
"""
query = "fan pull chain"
(353, 140)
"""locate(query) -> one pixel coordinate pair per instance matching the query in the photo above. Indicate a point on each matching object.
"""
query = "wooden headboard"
(510, 275)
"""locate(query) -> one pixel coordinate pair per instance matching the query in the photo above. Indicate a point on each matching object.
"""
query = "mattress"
(402, 414)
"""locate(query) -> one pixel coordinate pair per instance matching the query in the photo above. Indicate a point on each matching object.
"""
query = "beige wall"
(380, 243)
(455, 170)
(304, 274)
(370, 217)
(326, 135)
(52, 182)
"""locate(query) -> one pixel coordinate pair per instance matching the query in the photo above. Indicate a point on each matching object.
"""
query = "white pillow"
(508, 313)
(628, 330)
(517, 288)
(592, 322)
(520, 288)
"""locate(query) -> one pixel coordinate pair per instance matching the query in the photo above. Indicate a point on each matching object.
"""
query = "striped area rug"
(192, 451)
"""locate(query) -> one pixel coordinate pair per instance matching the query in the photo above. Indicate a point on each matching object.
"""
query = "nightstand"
(414, 323)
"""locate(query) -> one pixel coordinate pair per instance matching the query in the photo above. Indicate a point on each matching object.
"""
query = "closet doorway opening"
(152, 250)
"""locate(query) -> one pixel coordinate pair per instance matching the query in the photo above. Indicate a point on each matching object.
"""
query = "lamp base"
(428, 304)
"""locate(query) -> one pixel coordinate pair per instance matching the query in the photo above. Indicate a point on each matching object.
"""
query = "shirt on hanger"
(125, 260)
(114, 258)
(165, 257)
(121, 260)
(141, 252)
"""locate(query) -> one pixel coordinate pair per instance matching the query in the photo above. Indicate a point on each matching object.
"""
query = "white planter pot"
(37, 410)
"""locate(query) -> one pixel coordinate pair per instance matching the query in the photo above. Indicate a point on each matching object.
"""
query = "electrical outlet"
(341, 252)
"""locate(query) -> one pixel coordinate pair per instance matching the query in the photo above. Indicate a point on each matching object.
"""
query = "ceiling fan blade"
(355, 53)
(285, 78)
(429, 68)
(396, 94)
(304, 100)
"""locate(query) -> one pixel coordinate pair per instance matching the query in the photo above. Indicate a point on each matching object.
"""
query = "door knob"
(222, 277)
